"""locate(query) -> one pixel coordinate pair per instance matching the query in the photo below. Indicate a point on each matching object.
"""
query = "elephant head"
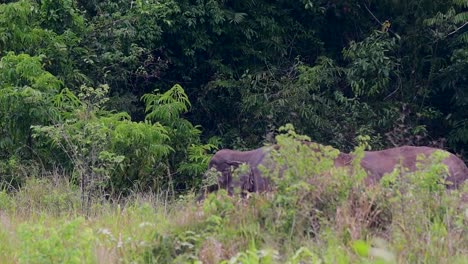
(228, 164)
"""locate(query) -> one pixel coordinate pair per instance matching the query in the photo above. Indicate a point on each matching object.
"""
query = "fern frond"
(461, 3)
(461, 18)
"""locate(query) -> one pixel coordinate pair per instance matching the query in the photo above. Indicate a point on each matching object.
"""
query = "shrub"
(309, 190)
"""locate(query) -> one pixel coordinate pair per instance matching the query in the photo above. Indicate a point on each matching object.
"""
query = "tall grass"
(314, 215)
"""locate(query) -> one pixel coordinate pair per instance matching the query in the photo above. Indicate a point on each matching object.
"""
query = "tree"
(26, 99)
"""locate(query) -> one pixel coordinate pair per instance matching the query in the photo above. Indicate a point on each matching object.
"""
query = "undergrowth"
(315, 214)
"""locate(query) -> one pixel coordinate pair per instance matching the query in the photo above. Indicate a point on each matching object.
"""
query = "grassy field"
(43, 222)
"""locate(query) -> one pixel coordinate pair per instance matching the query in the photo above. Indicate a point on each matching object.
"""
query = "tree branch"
(457, 29)
(372, 14)
(376, 19)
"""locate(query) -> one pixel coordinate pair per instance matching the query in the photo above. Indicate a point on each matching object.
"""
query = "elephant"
(378, 163)
(227, 160)
(375, 163)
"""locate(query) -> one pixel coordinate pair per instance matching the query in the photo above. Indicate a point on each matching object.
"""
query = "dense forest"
(141, 91)
(111, 109)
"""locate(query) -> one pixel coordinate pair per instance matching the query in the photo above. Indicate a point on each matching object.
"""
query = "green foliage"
(51, 29)
(440, 213)
(167, 107)
(44, 195)
(218, 204)
(447, 29)
(372, 66)
(303, 254)
(5, 201)
(190, 156)
(143, 145)
(254, 256)
(26, 94)
(304, 179)
(16, 28)
(68, 242)
(107, 149)
(71, 73)
(425, 224)
(124, 42)
(249, 67)
(305, 98)
(198, 159)
(60, 16)
(110, 153)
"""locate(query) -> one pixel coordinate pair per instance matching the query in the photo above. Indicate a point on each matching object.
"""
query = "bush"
(315, 214)
(309, 189)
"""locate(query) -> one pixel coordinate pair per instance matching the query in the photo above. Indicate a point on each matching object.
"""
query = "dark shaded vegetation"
(135, 95)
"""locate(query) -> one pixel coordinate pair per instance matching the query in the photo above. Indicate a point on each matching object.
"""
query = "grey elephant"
(375, 163)
(226, 161)
(378, 163)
